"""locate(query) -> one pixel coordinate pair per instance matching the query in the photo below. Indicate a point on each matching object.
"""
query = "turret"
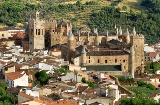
(134, 31)
(88, 36)
(120, 31)
(116, 31)
(97, 38)
(132, 61)
(37, 15)
(127, 37)
(83, 56)
(71, 47)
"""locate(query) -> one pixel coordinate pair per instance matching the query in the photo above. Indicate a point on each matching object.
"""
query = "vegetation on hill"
(139, 99)
(101, 14)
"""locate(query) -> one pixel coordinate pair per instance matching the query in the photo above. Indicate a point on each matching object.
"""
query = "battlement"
(137, 35)
(56, 33)
(50, 21)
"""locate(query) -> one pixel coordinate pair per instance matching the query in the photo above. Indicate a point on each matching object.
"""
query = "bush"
(141, 83)
(144, 84)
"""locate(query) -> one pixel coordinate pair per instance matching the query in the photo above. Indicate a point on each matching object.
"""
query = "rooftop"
(14, 75)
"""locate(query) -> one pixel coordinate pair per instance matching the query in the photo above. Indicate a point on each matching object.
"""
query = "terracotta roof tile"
(152, 54)
(14, 75)
(25, 95)
(19, 35)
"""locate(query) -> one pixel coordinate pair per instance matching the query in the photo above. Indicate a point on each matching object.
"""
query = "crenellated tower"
(137, 41)
(70, 45)
(36, 33)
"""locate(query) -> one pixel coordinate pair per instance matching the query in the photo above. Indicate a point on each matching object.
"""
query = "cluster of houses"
(18, 68)
(151, 52)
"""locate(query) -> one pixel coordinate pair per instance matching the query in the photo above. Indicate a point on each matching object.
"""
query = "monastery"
(112, 52)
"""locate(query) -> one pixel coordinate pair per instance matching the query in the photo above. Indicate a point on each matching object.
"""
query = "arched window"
(98, 60)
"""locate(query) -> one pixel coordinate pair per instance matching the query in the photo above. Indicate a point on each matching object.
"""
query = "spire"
(115, 26)
(83, 50)
(127, 32)
(120, 30)
(96, 31)
(107, 32)
(134, 31)
(70, 33)
(37, 15)
(116, 31)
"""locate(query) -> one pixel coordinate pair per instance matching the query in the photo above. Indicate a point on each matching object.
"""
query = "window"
(123, 60)
(38, 31)
(89, 61)
(124, 67)
(89, 57)
(2, 35)
(105, 61)
(115, 60)
(32, 31)
(98, 60)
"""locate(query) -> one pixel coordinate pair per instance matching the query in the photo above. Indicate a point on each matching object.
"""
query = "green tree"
(83, 80)
(42, 77)
(155, 66)
(147, 68)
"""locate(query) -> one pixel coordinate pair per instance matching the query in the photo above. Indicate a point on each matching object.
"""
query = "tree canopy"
(139, 99)
(5, 98)
(42, 77)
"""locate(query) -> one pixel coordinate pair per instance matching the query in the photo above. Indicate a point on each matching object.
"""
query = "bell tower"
(36, 33)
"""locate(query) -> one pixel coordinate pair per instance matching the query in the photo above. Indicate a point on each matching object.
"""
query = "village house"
(3, 33)
(16, 79)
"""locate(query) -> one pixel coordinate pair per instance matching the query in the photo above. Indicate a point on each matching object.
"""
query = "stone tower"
(132, 61)
(70, 45)
(36, 33)
(83, 56)
(137, 41)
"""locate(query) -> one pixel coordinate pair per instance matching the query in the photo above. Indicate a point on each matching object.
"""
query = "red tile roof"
(14, 75)
(152, 54)
(25, 95)
(19, 35)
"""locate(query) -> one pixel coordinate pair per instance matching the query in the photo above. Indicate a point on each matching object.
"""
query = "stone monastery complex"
(112, 52)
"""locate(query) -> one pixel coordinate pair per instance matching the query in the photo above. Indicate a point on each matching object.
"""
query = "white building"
(44, 66)
(149, 49)
(16, 79)
(32, 92)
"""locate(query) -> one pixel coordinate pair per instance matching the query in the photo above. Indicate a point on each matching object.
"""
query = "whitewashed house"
(35, 91)
(43, 66)
(158, 72)
(114, 92)
(153, 56)
(71, 76)
(148, 49)
(16, 79)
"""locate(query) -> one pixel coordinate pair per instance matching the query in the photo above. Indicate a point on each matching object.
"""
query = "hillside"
(93, 13)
